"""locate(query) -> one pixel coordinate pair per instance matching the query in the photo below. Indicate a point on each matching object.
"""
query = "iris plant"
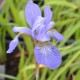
(41, 32)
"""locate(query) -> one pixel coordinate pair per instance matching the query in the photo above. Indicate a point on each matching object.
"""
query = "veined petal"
(56, 35)
(38, 26)
(32, 11)
(47, 14)
(37, 31)
(48, 55)
(47, 27)
(24, 30)
(38, 23)
(50, 25)
(42, 37)
(41, 29)
(13, 44)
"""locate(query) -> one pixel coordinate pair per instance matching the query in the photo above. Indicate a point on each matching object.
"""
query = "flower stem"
(37, 69)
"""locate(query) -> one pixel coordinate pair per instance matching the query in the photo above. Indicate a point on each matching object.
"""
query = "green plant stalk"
(2, 46)
(67, 65)
(14, 11)
(8, 76)
(77, 35)
(37, 69)
(43, 76)
(29, 67)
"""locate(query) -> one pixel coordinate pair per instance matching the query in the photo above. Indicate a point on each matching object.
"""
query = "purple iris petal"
(38, 26)
(48, 55)
(37, 31)
(44, 28)
(41, 29)
(38, 23)
(32, 11)
(47, 14)
(42, 37)
(13, 44)
(50, 25)
(24, 30)
(56, 35)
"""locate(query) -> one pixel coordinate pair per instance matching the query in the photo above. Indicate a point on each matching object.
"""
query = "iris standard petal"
(56, 35)
(24, 30)
(13, 44)
(48, 55)
(38, 23)
(42, 37)
(47, 14)
(48, 26)
(38, 26)
(32, 11)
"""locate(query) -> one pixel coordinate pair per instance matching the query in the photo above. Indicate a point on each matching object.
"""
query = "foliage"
(66, 14)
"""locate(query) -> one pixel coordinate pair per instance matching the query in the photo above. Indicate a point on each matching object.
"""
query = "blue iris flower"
(41, 33)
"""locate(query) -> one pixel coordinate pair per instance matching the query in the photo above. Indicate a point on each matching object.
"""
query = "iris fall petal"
(48, 55)
(13, 44)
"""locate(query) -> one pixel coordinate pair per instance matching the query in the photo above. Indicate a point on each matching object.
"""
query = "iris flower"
(40, 31)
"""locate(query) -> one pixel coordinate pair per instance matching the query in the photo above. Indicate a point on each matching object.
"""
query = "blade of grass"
(14, 12)
(8, 76)
(67, 65)
(69, 32)
(43, 76)
(62, 3)
(78, 75)
(32, 66)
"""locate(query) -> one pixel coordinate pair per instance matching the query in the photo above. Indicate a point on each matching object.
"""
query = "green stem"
(37, 69)
(7, 76)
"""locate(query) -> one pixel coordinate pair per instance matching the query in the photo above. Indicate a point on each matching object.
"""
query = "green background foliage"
(66, 15)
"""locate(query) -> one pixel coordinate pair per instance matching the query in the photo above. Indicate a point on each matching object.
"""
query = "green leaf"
(21, 65)
(66, 65)
(14, 12)
(32, 66)
(69, 32)
(43, 77)
(78, 75)
(61, 3)
(8, 76)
